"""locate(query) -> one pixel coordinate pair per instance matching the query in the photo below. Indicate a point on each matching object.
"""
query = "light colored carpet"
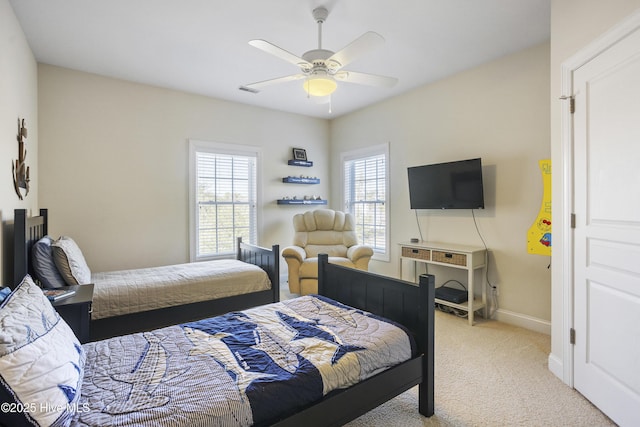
(490, 374)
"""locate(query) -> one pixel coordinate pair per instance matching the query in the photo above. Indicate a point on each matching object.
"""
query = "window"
(223, 198)
(366, 183)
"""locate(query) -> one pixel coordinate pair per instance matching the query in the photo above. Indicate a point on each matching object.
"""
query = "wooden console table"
(470, 258)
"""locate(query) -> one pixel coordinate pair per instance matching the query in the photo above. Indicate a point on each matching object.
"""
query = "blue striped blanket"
(244, 368)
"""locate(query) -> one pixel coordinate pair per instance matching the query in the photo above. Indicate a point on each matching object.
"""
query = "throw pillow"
(44, 265)
(70, 261)
(41, 361)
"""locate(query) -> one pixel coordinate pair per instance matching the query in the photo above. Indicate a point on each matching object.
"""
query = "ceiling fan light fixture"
(322, 69)
(319, 85)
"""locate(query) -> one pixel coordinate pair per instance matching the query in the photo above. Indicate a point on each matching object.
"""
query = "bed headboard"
(26, 231)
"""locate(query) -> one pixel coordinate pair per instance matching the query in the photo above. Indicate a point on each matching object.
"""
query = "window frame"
(361, 154)
(196, 146)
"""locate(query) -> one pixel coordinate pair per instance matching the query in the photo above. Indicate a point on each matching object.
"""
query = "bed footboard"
(267, 259)
(406, 303)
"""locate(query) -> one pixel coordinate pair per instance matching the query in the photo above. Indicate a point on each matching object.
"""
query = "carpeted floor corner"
(490, 374)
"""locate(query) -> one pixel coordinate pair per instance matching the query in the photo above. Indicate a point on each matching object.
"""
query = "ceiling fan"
(320, 68)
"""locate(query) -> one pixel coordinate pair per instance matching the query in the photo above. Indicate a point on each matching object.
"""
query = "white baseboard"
(522, 320)
(556, 367)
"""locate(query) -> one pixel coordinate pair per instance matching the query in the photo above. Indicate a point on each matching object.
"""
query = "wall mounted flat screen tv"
(451, 185)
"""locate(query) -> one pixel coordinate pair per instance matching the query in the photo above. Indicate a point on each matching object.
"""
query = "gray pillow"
(70, 261)
(43, 264)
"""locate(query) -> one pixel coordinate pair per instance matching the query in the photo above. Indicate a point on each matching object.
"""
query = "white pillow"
(41, 361)
(70, 261)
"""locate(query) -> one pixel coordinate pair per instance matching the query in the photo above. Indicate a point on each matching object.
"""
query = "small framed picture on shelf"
(300, 154)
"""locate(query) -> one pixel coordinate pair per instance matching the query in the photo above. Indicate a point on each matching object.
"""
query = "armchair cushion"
(331, 250)
(309, 269)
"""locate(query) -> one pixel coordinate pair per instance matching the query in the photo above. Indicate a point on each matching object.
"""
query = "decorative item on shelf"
(306, 200)
(300, 154)
(20, 169)
(300, 158)
(301, 180)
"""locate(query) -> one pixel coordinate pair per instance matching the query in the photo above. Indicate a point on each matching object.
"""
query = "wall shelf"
(301, 202)
(304, 163)
(298, 180)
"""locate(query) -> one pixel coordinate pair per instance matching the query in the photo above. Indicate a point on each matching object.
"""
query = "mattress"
(243, 368)
(130, 291)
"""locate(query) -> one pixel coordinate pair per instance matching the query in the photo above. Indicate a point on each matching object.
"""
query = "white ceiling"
(200, 46)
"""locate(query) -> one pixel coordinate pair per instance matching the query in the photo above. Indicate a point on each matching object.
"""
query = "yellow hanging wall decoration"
(539, 235)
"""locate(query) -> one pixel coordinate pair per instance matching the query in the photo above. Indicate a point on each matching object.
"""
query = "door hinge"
(572, 336)
(573, 220)
(572, 102)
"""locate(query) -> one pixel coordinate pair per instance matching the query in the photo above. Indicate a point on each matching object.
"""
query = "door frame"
(619, 31)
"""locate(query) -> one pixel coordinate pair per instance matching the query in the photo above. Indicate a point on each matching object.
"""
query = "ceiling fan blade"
(258, 86)
(363, 44)
(365, 79)
(274, 50)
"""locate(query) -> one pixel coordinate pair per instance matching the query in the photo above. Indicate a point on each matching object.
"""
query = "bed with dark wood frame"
(28, 230)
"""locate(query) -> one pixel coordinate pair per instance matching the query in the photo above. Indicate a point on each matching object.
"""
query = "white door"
(607, 230)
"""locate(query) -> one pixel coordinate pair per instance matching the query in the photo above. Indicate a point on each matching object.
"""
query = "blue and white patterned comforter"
(240, 369)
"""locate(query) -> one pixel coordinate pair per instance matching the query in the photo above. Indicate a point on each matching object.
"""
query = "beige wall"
(18, 100)
(114, 168)
(114, 163)
(109, 157)
(104, 189)
(574, 24)
(500, 112)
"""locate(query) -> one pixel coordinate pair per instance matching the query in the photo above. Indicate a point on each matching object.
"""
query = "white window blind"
(365, 196)
(225, 202)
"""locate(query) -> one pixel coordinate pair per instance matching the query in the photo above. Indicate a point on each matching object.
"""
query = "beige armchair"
(322, 231)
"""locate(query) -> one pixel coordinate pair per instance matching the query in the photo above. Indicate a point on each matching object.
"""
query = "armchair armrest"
(294, 256)
(294, 253)
(360, 253)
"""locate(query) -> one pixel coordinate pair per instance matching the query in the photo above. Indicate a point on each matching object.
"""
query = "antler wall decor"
(20, 169)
